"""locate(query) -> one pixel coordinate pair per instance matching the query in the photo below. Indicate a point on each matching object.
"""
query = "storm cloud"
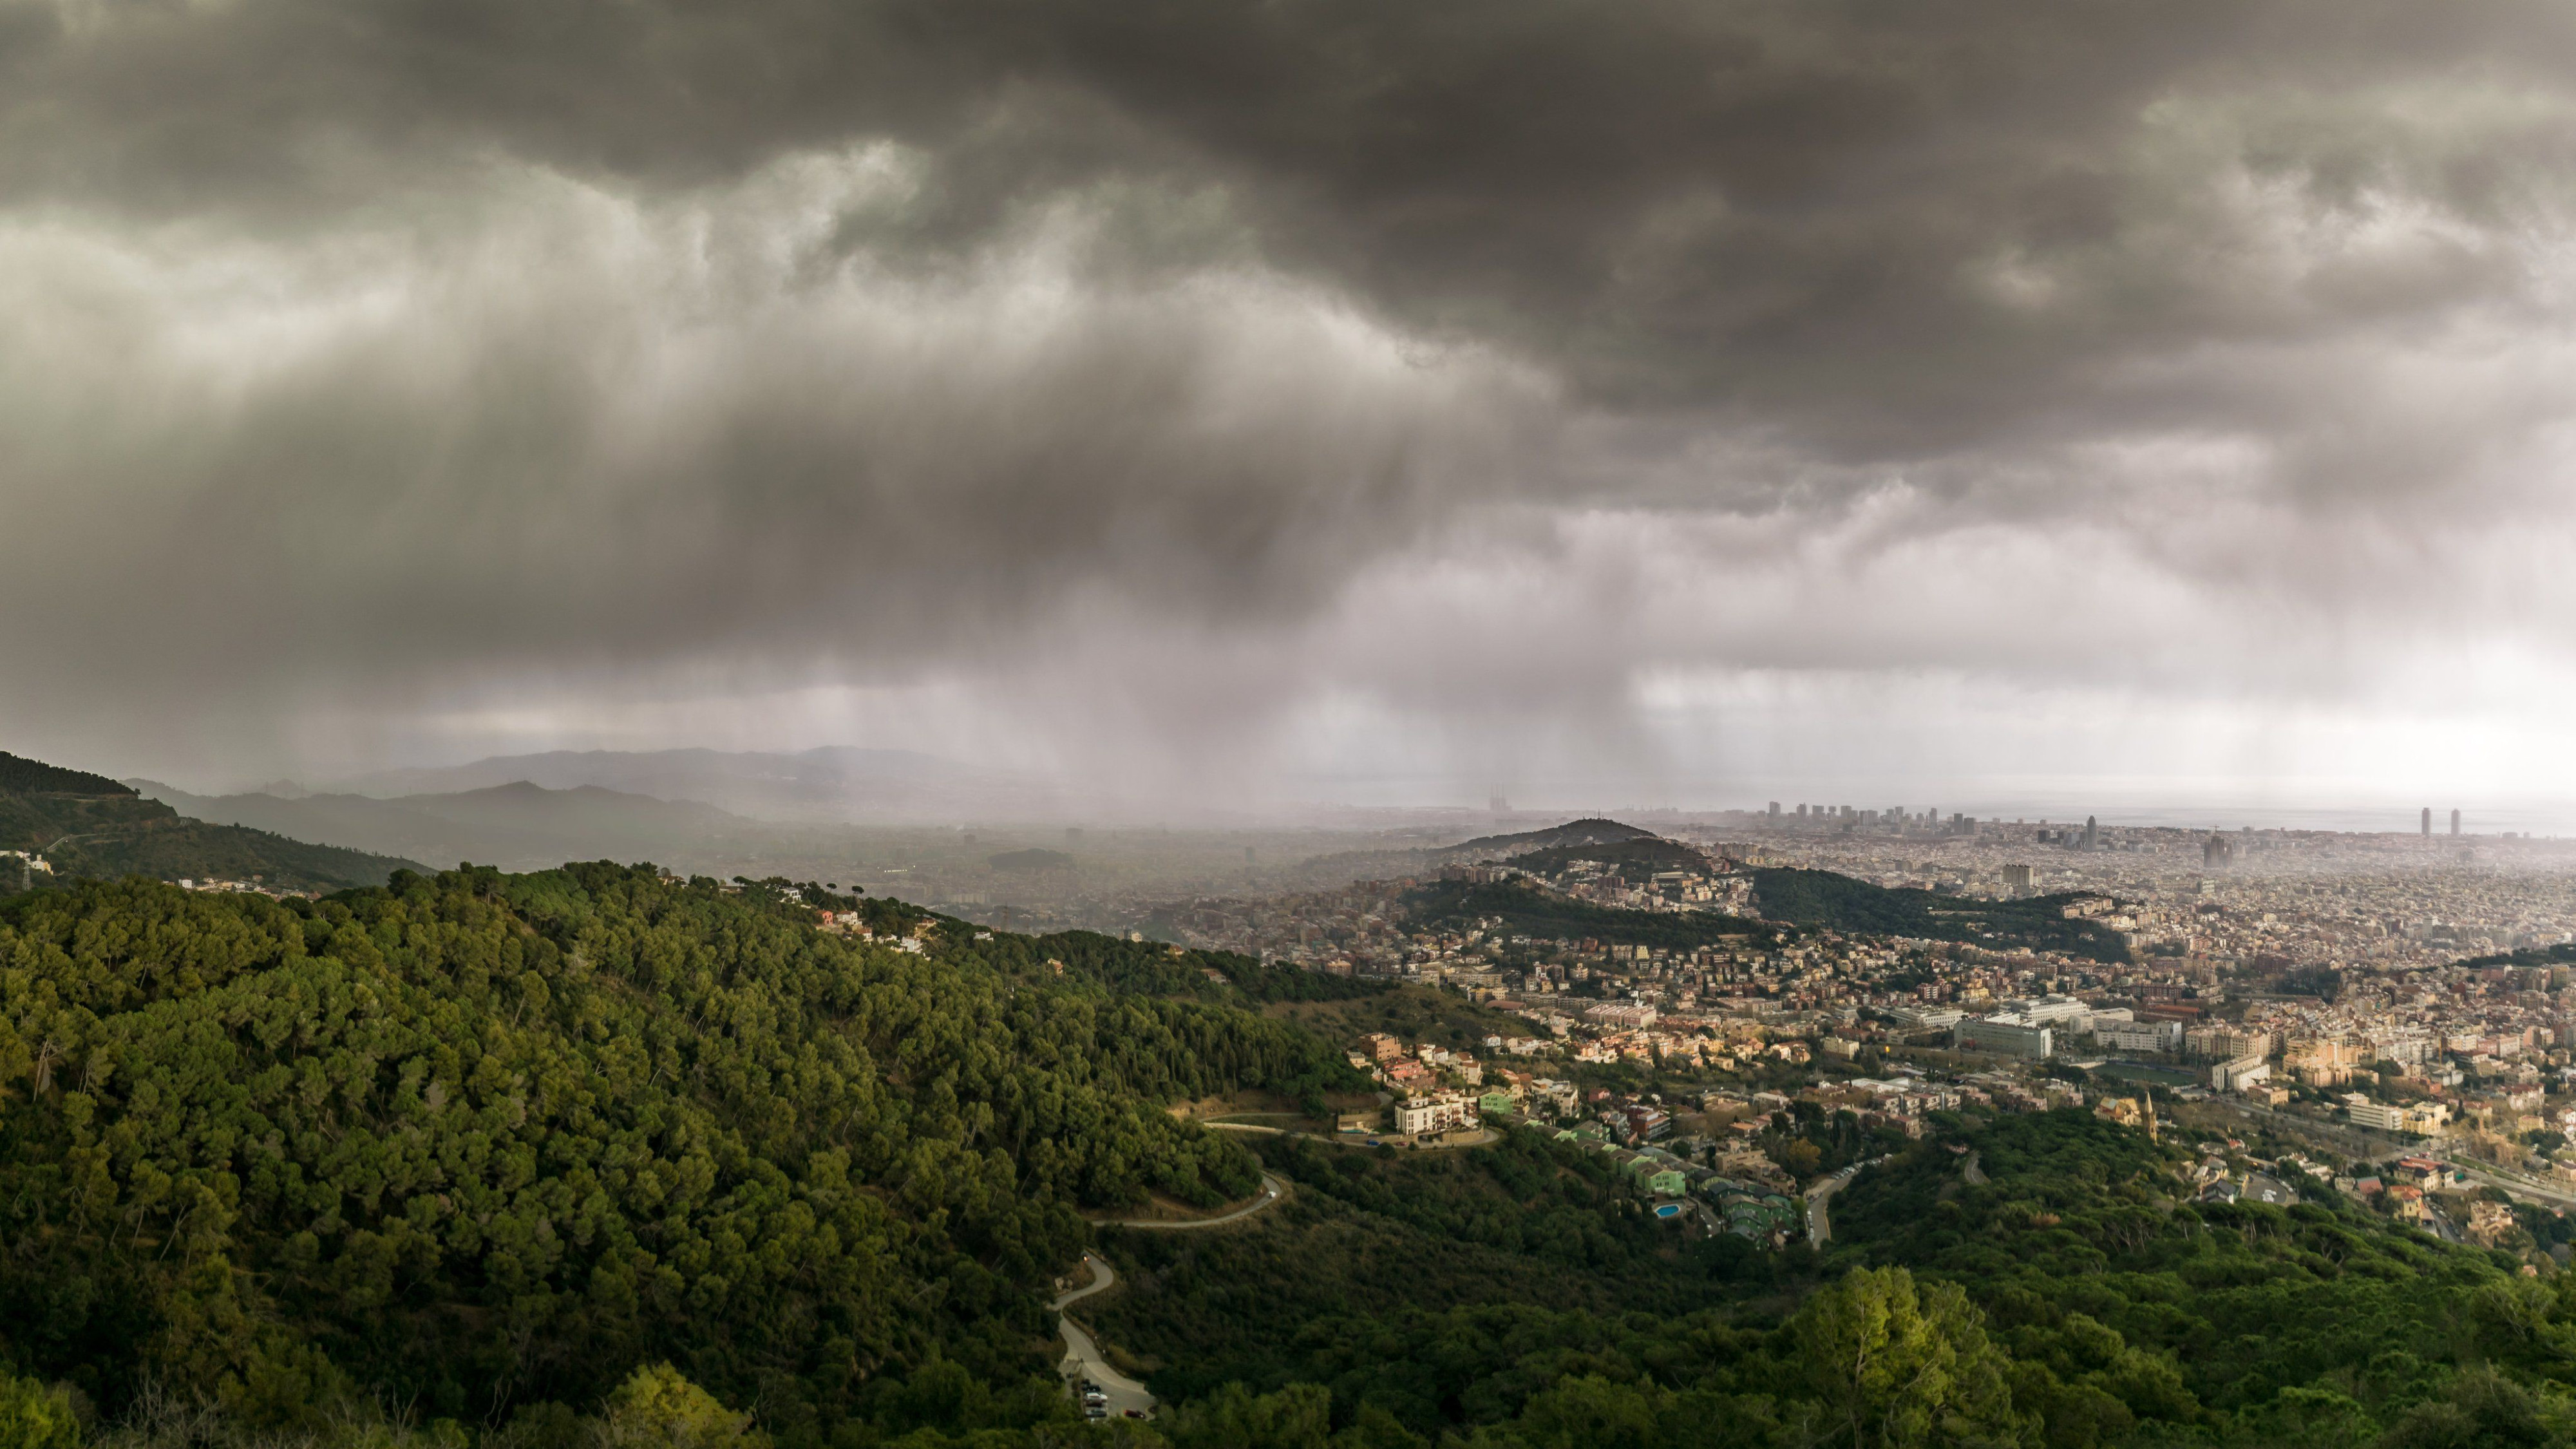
(1285, 397)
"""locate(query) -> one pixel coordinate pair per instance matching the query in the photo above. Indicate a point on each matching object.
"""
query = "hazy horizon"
(2195, 805)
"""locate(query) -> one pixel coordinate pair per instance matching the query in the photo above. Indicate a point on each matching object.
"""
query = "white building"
(1419, 1115)
(2052, 1010)
(2153, 1038)
(2238, 1073)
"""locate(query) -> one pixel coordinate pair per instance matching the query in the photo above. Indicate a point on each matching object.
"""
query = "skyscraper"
(2428, 822)
(2455, 820)
(2091, 834)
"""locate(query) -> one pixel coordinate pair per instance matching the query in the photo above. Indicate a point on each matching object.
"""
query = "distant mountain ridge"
(89, 825)
(835, 784)
(518, 826)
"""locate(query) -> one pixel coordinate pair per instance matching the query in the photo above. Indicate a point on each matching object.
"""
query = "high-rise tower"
(2428, 822)
(2455, 820)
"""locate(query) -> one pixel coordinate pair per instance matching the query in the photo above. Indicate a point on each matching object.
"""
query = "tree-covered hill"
(87, 825)
(477, 1142)
(22, 776)
(1633, 861)
(1546, 917)
(1839, 902)
(1593, 832)
(1154, 968)
(596, 1157)
(2317, 1316)
(1527, 1221)
(2070, 1300)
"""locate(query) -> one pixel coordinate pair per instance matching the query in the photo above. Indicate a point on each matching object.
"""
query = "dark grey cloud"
(1918, 217)
(370, 362)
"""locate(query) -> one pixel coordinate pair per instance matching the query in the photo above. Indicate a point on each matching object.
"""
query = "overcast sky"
(1587, 400)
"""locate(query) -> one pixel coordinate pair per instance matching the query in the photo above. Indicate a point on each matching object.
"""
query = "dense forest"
(478, 1144)
(2070, 1299)
(600, 1157)
(1527, 1221)
(1826, 899)
(1158, 969)
(22, 776)
(2152, 1310)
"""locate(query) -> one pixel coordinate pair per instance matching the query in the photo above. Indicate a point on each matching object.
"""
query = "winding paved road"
(1082, 1356)
(1082, 1359)
(1272, 1190)
(1819, 1227)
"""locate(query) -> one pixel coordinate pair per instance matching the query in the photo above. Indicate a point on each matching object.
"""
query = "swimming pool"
(1668, 1210)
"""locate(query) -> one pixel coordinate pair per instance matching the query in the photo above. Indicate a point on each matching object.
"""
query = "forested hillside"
(111, 832)
(1529, 912)
(22, 776)
(2069, 1300)
(1633, 861)
(597, 1157)
(1593, 831)
(2316, 1317)
(1527, 1221)
(1840, 902)
(479, 1142)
